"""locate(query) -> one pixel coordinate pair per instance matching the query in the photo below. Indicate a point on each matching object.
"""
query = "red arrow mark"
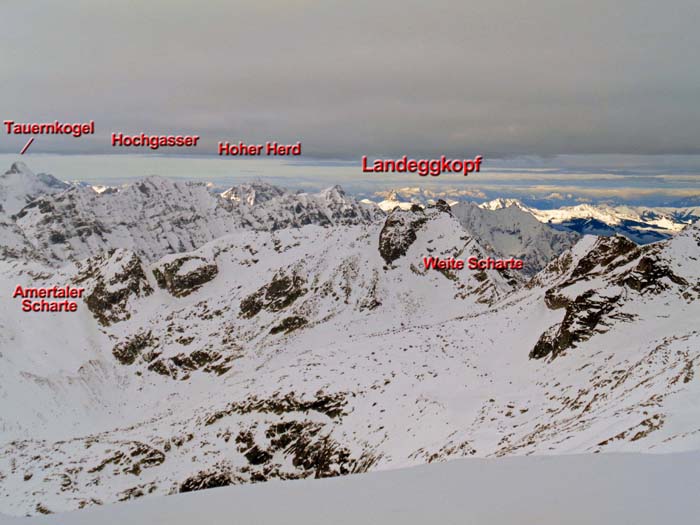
(26, 146)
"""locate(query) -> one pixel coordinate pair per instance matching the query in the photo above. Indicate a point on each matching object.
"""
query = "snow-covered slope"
(511, 232)
(19, 185)
(315, 352)
(151, 217)
(267, 207)
(615, 488)
(253, 193)
(663, 218)
(156, 216)
(394, 200)
(405, 198)
(641, 224)
(283, 353)
(502, 203)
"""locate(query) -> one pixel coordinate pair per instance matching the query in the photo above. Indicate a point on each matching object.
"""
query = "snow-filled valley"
(265, 335)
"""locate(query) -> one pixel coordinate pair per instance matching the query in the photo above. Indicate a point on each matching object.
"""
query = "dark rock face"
(289, 324)
(128, 351)
(584, 317)
(307, 445)
(331, 405)
(399, 233)
(608, 253)
(314, 453)
(586, 313)
(110, 281)
(208, 479)
(146, 349)
(182, 283)
(180, 365)
(555, 300)
(648, 276)
(631, 270)
(308, 449)
(275, 296)
(443, 206)
(134, 459)
(56, 238)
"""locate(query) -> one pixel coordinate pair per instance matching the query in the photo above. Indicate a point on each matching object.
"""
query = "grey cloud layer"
(352, 78)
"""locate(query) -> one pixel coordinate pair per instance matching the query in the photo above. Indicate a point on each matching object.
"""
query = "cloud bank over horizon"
(496, 78)
(556, 183)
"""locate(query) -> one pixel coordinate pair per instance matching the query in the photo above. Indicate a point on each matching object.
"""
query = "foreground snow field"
(593, 489)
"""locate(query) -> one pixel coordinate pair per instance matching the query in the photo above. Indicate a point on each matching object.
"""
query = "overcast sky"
(351, 78)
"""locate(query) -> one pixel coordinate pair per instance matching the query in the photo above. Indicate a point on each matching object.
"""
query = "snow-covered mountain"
(263, 352)
(509, 231)
(502, 203)
(267, 207)
(19, 185)
(641, 224)
(405, 198)
(253, 193)
(394, 200)
(156, 216)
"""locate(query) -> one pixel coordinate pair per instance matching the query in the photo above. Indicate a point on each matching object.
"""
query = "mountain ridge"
(640, 224)
(317, 351)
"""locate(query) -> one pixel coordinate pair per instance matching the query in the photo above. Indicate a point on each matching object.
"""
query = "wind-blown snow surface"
(319, 351)
(611, 488)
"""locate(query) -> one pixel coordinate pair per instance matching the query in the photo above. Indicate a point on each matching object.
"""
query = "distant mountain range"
(154, 216)
(640, 224)
(19, 186)
(512, 232)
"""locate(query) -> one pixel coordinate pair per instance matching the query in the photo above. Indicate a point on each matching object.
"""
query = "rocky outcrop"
(133, 347)
(306, 448)
(626, 272)
(133, 460)
(651, 274)
(275, 296)
(209, 479)
(110, 282)
(181, 365)
(331, 405)
(585, 316)
(289, 324)
(400, 232)
(185, 275)
(608, 254)
(442, 205)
